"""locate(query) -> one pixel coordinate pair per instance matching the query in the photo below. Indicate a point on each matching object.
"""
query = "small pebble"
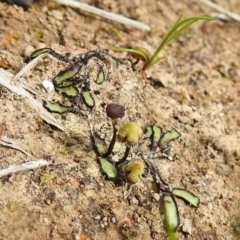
(135, 217)
(105, 224)
(98, 217)
(134, 201)
(149, 222)
(76, 237)
(156, 196)
(48, 85)
(113, 220)
(48, 202)
(105, 219)
(28, 50)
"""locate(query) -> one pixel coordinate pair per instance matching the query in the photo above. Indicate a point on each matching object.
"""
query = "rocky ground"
(196, 92)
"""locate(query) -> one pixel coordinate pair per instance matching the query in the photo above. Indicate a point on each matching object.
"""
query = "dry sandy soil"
(197, 91)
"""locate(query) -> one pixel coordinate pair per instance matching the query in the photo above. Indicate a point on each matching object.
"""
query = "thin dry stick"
(23, 167)
(28, 67)
(11, 144)
(220, 9)
(7, 142)
(105, 14)
(5, 80)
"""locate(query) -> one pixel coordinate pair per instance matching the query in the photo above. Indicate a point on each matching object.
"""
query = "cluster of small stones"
(105, 221)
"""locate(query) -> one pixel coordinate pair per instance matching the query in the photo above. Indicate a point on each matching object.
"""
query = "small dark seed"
(115, 111)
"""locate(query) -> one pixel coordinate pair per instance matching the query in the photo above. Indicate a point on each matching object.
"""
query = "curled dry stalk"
(141, 54)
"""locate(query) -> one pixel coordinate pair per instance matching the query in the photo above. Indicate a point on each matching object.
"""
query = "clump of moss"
(134, 170)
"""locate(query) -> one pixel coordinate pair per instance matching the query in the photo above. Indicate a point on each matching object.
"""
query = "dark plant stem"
(113, 141)
(124, 158)
(145, 66)
(161, 184)
(143, 74)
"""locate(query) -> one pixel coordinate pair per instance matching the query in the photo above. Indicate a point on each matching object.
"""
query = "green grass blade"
(182, 28)
(158, 59)
(176, 30)
(130, 50)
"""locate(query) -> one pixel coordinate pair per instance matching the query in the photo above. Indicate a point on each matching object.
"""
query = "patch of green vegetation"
(134, 170)
(108, 168)
(55, 107)
(130, 133)
(149, 60)
(44, 179)
(38, 32)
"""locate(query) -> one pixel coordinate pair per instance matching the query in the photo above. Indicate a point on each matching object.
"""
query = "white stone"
(48, 85)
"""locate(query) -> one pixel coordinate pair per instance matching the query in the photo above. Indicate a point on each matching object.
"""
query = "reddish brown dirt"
(200, 99)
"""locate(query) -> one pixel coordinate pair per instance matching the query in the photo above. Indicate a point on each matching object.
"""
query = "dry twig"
(10, 143)
(23, 167)
(7, 142)
(105, 14)
(220, 9)
(6, 81)
(27, 67)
